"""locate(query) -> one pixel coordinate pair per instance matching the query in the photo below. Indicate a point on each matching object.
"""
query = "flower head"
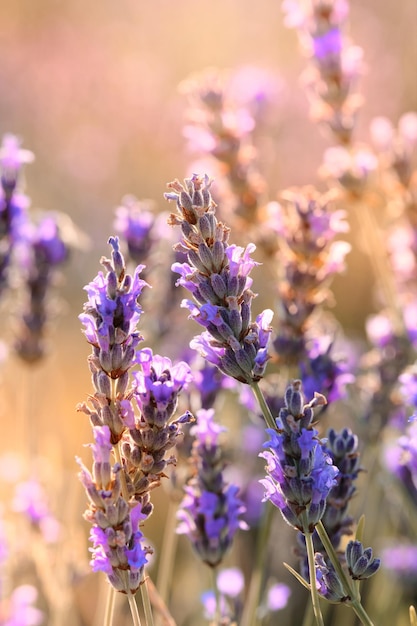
(210, 510)
(217, 276)
(300, 474)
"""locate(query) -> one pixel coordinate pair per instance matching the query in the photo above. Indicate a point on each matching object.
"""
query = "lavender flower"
(22, 611)
(110, 318)
(336, 63)
(217, 276)
(307, 224)
(210, 510)
(117, 541)
(156, 390)
(219, 125)
(43, 250)
(135, 224)
(13, 203)
(300, 472)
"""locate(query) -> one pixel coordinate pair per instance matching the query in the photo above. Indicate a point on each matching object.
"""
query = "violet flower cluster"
(307, 224)
(342, 448)
(43, 251)
(156, 389)
(110, 318)
(217, 276)
(13, 202)
(117, 541)
(336, 64)
(210, 511)
(119, 492)
(300, 473)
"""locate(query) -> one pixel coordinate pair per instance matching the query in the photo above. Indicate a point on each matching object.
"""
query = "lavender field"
(208, 284)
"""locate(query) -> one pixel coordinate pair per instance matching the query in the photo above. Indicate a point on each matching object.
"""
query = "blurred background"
(92, 89)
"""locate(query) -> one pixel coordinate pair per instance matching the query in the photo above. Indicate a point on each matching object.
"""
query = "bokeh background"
(92, 90)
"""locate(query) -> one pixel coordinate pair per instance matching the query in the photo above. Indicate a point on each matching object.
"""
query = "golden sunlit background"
(92, 88)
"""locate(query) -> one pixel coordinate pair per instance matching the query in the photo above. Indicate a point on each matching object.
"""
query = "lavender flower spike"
(117, 541)
(110, 318)
(156, 390)
(300, 472)
(217, 276)
(209, 513)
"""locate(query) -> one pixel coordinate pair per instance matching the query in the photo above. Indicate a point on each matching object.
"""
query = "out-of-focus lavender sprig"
(21, 610)
(309, 256)
(43, 249)
(13, 202)
(210, 512)
(117, 541)
(135, 224)
(336, 64)
(221, 126)
(217, 276)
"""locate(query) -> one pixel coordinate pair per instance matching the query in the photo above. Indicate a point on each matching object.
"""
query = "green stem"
(350, 590)
(109, 612)
(133, 608)
(146, 603)
(218, 613)
(263, 405)
(312, 572)
(168, 550)
(256, 587)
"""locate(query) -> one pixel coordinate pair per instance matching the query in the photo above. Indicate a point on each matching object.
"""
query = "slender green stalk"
(263, 406)
(109, 612)
(218, 612)
(146, 603)
(350, 590)
(168, 550)
(256, 582)
(312, 572)
(133, 608)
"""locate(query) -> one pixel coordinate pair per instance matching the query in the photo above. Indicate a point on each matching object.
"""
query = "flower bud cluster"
(110, 318)
(217, 276)
(300, 473)
(156, 389)
(117, 541)
(360, 561)
(210, 510)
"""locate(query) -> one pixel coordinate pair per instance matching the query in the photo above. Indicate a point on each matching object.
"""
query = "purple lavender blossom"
(156, 389)
(300, 472)
(110, 320)
(22, 611)
(210, 511)
(43, 250)
(135, 224)
(13, 203)
(30, 499)
(401, 459)
(217, 276)
(117, 541)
